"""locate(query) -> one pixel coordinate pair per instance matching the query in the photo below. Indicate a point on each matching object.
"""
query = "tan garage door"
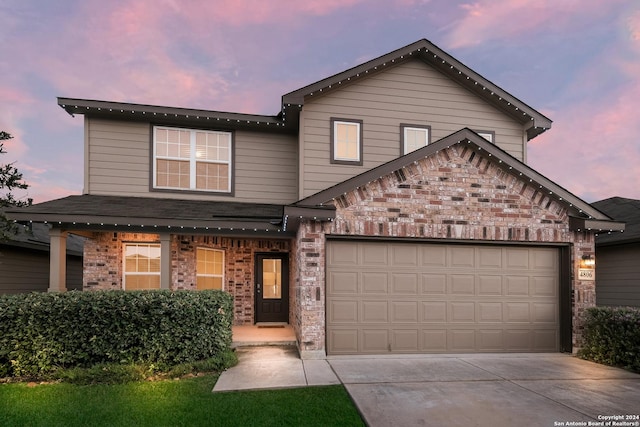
(437, 298)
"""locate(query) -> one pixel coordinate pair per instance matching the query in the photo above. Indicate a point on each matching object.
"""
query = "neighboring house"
(618, 255)
(24, 261)
(385, 209)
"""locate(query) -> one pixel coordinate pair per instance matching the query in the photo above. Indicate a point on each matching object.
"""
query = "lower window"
(141, 266)
(210, 269)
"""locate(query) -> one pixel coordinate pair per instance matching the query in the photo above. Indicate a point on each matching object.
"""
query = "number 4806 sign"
(586, 274)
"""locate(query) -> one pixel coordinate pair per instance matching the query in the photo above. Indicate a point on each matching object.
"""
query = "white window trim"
(334, 132)
(192, 160)
(488, 135)
(125, 273)
(406, 127)
(211, 275)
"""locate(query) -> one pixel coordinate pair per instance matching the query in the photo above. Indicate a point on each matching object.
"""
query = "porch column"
(165, 261)
(57, 260)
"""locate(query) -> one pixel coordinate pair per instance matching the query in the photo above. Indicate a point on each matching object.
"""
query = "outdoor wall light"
(588, 261)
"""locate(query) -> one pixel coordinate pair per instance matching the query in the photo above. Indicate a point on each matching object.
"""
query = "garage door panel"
(343, 254)
(518, 340)
(544, 259)
(544, 312)
(439, 298)
(404, 283)
(343, 340)
(462, 340)
(516, 285)
(405, 340)
(489, 312)
(545, 339)
(434, 340)
(375, 255)
(462, 284)
(489, 285)
(433, 255)
(375, 282)
(462, 312)
(491, 340)
(375, 311)
(515, 312)
(517, 259)
(404, 255)
(375, 341)
(462, 256)
(434, 284)
(342, 311)
(434, 312)
(544, 286)
(490, 258)
(342, 282)
(404, 312)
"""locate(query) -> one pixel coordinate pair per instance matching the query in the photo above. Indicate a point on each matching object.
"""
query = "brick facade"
(103, 263)
(458, 194)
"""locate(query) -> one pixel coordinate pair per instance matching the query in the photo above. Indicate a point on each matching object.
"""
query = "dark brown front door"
(272, 287)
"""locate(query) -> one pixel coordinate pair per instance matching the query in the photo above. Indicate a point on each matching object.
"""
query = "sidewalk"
(274, 367)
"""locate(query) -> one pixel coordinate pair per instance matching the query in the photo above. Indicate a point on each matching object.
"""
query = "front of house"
(385, 209)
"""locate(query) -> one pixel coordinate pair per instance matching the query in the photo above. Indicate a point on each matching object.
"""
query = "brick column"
(165, 261)
(310, 315)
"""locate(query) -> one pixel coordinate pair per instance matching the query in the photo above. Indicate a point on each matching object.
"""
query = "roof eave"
(164, 114)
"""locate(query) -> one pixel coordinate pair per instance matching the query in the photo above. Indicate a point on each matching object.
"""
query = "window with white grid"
(188, 159)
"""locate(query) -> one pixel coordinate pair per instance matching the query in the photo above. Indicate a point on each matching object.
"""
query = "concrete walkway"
(453, 390)
(274, 367)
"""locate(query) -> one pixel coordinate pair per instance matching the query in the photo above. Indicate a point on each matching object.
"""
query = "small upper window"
(488, 135)
(414, 137)
(188, 159)
(346, 141)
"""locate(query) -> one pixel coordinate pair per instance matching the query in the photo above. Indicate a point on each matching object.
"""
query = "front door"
(272, 287)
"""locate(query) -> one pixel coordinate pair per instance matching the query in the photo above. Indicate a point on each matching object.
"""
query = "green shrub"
(612, 336)
(41, 332)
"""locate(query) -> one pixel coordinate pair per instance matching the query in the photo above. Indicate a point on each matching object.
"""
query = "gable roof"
(583, 216)
(621, 209)
(432, 55)
(287, 120)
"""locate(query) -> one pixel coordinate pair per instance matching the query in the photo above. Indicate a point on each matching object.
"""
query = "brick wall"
(103, 263)
(457, 193)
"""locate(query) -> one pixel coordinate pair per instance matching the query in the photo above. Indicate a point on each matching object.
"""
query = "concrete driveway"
(488, 390)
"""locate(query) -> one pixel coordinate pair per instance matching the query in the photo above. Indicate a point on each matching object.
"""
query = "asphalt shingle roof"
(620, 209)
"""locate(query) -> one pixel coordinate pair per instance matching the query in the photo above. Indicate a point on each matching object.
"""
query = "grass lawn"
(187, 402)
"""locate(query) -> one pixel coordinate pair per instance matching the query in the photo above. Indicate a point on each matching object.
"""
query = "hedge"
(612, 336)
(40, 332)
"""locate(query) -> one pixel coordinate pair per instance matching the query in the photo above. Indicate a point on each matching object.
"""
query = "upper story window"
(209, 269)
(346, 141)
(188, 159)
(414, 137)
(488, 135)
(141, 266)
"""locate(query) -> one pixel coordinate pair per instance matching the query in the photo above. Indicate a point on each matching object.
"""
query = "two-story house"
(385, 209)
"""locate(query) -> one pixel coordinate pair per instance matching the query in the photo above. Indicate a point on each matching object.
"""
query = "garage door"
(441, 298)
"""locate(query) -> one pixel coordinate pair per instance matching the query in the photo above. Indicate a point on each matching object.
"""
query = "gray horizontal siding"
(119, 163)
(411, 93)
(23, 270)
(617, 275)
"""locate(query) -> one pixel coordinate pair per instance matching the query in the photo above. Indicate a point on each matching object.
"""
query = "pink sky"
(577, 61)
